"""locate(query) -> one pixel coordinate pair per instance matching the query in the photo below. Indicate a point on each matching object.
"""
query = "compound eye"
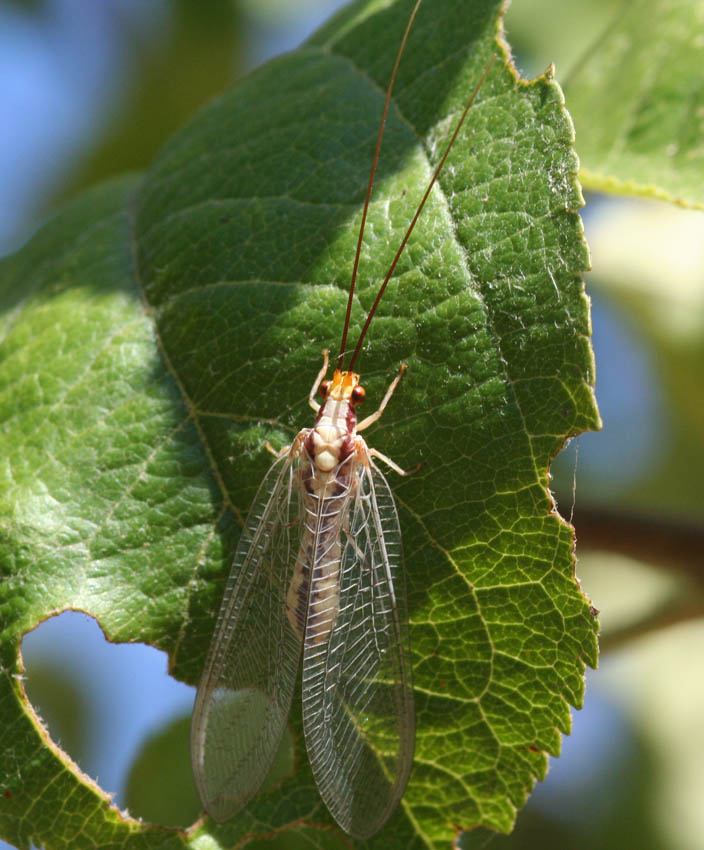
(358, 395)
(324, 388)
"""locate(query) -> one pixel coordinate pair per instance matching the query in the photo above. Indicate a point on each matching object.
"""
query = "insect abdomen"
(312, 608)
(312, 611)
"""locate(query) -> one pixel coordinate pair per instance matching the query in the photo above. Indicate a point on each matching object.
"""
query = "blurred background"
(92, 89)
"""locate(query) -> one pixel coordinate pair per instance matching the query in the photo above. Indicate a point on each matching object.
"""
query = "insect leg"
(294, 448)
(321, 374)
(391, 464)
(370, 420)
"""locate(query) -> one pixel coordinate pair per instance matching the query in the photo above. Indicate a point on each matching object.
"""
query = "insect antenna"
(436, 173)
(372, 173)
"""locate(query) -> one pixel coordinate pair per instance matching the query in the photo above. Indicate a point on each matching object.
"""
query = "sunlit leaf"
(160, 330)
(638, 103)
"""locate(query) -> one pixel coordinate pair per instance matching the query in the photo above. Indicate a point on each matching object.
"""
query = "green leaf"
(637, 103)
(160, 330)
(160, 787)
(197, 50)
(555, 31)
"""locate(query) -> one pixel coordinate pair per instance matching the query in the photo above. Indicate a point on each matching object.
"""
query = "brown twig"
(662, 542)
(672, 613)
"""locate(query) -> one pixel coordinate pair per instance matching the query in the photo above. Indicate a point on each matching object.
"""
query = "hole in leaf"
(118, 714)
(102, 701)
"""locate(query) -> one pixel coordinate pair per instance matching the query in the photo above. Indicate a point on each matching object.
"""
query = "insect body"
(336, 457)
(317, 582)
(325, 509)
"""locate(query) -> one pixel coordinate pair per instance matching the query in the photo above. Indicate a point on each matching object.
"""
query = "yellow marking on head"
(342, 385)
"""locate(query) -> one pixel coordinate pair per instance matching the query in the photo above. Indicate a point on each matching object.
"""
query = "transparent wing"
(357, 699)
(245, 692)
